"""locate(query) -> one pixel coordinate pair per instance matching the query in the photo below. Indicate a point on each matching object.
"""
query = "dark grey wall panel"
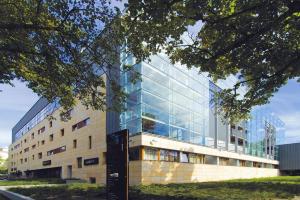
(289, 156)
(36, 108)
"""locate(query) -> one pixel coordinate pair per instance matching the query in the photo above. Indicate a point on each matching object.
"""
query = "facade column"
(228, 134)
(216, 128)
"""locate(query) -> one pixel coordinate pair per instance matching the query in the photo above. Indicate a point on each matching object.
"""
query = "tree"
(3, 166)
(60, 48)
(256, 40)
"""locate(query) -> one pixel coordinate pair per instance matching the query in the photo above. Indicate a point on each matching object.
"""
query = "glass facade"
(175, 102)
(170, 101)
(265, 131)
(45, 112)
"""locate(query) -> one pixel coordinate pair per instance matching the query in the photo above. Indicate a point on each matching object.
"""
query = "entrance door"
(69, 171)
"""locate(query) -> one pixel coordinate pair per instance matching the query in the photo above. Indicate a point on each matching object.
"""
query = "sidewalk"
(12, 195)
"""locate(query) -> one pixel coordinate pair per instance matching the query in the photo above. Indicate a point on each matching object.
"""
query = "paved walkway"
(12, 195)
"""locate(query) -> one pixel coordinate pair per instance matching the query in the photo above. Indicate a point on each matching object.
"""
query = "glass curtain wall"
(266, 131)
(45, 112)
(170, 101)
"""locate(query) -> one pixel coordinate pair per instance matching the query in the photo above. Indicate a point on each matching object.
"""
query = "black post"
(117, 170)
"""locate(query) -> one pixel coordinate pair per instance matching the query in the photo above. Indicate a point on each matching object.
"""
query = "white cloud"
(18, 98)
(5, 137)
(292, 124)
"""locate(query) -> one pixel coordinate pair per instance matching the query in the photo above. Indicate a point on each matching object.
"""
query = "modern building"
(176, 135)
(289, 159)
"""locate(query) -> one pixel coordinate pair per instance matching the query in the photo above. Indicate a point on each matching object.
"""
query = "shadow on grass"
(64, 192)
(236, 189)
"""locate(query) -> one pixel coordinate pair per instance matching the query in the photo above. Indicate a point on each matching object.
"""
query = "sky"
(16, 101)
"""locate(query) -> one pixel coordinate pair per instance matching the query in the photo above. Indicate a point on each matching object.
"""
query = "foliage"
(283, 187)
(55, 46)
(3, 166)
(257, 41)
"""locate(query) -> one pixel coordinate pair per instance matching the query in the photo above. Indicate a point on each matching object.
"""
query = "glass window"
(57, 150)
(154, 127)
(173, 156)
(81, 124)
(150, 153)
(196, 158)
(164, 155)
(223, 161)
(184, 157)
(79, 162)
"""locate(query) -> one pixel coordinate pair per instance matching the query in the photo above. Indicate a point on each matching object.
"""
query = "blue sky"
(15, 101)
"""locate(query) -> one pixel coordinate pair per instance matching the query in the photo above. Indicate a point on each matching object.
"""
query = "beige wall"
(96, 129)
(171, 172)
(175, 172)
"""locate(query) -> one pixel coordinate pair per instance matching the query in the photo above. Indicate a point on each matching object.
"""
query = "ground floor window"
(169, 155)
(196, 158)
(242, 163)
(150, 153)
(223, 161)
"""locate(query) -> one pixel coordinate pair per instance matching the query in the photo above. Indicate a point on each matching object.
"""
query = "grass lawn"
(264, 188)
(30, 182)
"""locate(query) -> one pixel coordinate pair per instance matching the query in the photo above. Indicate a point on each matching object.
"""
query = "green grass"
(30, 182)
(78, 191)
(263, 188)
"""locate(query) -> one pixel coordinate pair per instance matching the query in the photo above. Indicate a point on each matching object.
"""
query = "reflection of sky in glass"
(173, 101)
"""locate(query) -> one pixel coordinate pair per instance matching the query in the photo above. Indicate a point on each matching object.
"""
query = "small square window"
(51, 137)
(50, 123)
(74, 144)
(92, 180)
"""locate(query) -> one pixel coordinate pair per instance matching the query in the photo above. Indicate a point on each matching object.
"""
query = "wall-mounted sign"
(117, 165)
(91, 161)
(46, 162)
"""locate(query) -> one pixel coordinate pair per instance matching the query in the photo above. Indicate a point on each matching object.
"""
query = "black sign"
(46, 162)
(117, 179)
(91, 161)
